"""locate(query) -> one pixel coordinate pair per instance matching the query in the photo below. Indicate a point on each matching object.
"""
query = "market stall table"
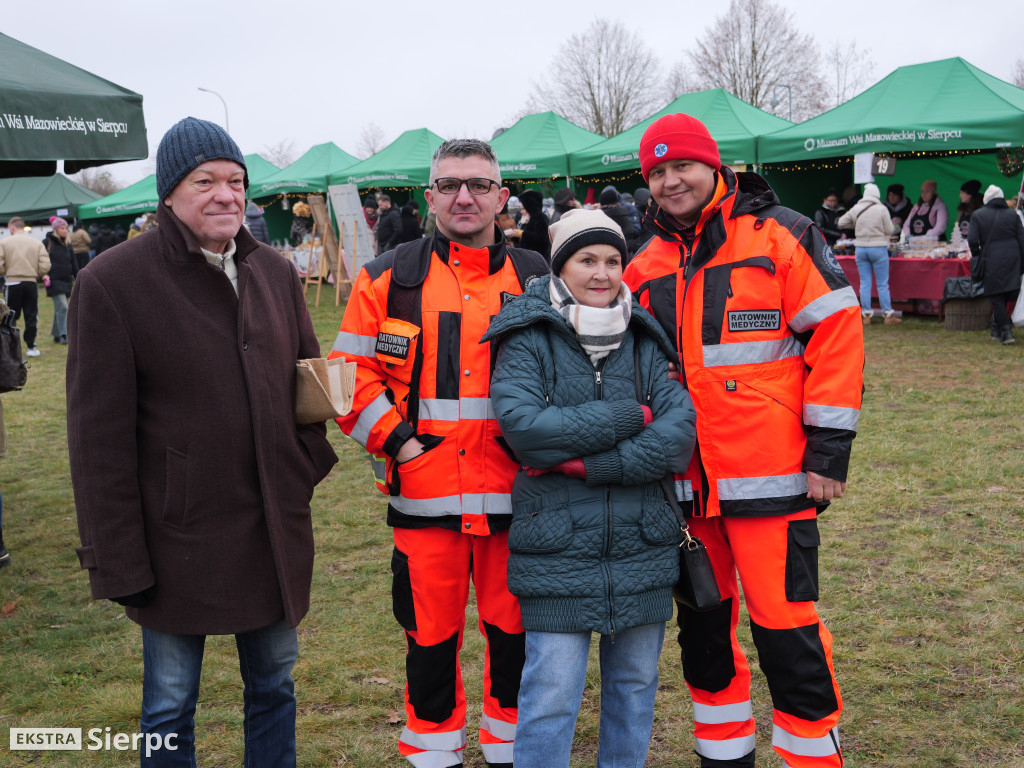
(916, 283)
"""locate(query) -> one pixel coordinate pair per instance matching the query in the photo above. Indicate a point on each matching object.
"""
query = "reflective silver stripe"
(684, 490)
(735, 488)
(438, 409)
(351, 344)
(438, 507)
(496, 754)
(725, 749)
(447, 741)
(724, 713)
(487, 503)
(822, 307)
(369, 416)
(466, 504)
(832, 416)
(499, 729)
(748, 352)
(434, 759)
(823, 746)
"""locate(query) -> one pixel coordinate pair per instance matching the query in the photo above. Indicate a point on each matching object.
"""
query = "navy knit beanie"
(188, 144)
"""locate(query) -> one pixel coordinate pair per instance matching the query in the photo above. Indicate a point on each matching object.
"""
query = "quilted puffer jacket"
(598, 554)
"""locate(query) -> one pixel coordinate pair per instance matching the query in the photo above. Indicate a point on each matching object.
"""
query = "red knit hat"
(677, 137)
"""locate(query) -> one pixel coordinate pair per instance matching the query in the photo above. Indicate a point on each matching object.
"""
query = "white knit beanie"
(871, 192)
(578, 228)
(992, 193)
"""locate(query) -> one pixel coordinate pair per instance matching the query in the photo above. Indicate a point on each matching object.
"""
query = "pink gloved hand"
(571, 468)
(648, 414)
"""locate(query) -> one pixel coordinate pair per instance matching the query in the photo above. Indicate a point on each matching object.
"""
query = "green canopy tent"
(52, 110)
(734, 124)
(141, 197)
(403, 163)
(538, 146)
(944, 120)
(306, 176)
(36, 198)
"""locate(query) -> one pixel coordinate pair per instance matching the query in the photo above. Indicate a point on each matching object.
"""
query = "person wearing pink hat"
(770, 347)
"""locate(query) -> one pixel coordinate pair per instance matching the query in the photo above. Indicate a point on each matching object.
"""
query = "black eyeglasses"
(451, 186)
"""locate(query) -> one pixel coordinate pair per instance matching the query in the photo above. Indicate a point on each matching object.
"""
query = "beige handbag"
(323, 389)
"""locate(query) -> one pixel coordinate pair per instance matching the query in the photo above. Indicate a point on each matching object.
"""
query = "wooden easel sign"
(331, 262)
(357, 251)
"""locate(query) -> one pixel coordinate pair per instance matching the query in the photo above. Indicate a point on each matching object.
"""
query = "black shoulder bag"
(696, 588)
(13, 370)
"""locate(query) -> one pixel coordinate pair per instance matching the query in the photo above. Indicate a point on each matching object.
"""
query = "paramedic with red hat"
(771, 349)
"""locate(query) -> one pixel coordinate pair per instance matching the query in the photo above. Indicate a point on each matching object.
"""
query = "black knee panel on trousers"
(747, 761)
(401, 591)
(794, 663)
(508, 654)
(707, 647)
(430, 671)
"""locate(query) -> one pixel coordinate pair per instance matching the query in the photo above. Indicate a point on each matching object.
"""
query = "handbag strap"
(666, 481)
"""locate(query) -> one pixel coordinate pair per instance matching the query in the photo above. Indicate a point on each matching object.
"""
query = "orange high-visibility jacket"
(772, 348)
(413, 325)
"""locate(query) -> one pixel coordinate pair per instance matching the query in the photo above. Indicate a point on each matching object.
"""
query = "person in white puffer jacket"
(872, 226)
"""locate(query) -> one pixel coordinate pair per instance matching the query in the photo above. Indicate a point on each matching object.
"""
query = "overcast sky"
(321, 70)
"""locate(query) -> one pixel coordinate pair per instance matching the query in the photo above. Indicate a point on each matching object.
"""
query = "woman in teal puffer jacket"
(593, 541)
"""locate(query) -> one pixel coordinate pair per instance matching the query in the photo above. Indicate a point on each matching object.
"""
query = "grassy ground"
(921, 583)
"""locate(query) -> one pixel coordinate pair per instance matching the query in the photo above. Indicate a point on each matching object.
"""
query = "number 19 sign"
(883, 166)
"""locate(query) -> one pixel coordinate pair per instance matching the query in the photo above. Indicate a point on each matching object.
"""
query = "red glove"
(570, 468)
(648, 414)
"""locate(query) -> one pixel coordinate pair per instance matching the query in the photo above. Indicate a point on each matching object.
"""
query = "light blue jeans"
(873, 259)
(551, 693)
(170, 689)
(60, 316)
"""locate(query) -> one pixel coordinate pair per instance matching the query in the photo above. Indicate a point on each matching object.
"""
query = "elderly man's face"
(210, 201)
(464, 217)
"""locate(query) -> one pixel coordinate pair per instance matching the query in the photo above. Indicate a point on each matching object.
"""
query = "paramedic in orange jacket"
(772, 354)
(413, 325)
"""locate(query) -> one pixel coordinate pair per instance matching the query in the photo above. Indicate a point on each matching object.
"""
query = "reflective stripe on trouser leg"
(501, 625)
(777, 562)
(431, 573)
(714, 665)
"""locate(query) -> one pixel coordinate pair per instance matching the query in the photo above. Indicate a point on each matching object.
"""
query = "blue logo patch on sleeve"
(830, 259)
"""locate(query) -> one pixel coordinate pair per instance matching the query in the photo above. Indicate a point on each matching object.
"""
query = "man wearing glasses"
(422, 408)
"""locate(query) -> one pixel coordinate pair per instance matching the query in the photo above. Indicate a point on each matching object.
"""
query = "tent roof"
(53, 110)
(405, 162)
(934, 107)
(734, 124)
(538, 146)
(141, 197)
(307, 174)
(39, 197)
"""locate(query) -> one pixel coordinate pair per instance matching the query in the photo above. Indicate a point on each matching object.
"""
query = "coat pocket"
(175, 496)
(658, 523)
(541, 525)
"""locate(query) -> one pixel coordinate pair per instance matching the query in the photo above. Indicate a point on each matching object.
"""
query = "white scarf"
(225, 261)
(599, 330)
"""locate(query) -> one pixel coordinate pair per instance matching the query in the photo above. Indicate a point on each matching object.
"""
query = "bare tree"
(851, 71)
(371, 141)
(754, 51)
(679, 81)
(100, 182)
(1018, 73)
(604, 80)
(281, 154)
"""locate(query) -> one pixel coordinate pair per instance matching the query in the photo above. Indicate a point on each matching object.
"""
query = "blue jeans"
(873, 259)
(552, 691)
(170, 689)
(60, 316)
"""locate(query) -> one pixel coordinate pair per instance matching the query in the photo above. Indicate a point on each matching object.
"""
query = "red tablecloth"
(911, 280)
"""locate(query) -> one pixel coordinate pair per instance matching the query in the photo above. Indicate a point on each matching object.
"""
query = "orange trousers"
(432, 569)
(776, 560)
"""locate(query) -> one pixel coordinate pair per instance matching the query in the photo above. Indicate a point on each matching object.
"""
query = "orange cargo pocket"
(396, 348)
